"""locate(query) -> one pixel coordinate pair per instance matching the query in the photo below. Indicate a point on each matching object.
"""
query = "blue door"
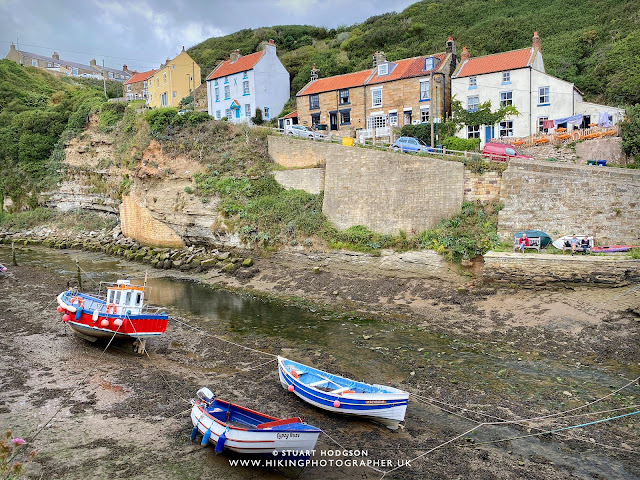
(488, 133)
(237, 113)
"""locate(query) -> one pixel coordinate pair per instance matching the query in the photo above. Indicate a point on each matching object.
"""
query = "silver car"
(300, 131)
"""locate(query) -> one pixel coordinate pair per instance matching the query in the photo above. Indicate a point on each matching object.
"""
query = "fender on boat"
(64, 305)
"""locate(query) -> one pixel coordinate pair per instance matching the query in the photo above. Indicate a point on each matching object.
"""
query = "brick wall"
(387, 191)
(136, 222)
(483, 187)
(308, 179)
(297, 152)
(543, 269)
(561, 199)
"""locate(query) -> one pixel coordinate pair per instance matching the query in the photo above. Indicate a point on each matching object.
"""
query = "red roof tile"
(337, 82)
(495, 63)
(140, 77)
(246, 62)
(407, 68)
(293, 114)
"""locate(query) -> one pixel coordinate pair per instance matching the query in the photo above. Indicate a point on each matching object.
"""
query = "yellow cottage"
(173, 81)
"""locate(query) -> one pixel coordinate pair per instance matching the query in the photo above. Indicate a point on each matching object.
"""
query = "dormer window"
(245, 75)
(429, 63)
(226, 79)
(473, 82)
(215, 82)
(383, 69)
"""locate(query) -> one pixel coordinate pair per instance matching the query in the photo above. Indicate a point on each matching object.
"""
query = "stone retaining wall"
(545, 269)
(308, 179)
(482, 186)
(298, 152)
(138, 224)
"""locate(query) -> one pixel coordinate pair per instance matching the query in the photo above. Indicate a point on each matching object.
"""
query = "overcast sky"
(143, 33)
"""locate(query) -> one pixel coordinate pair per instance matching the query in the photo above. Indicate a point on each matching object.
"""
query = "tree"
(630, 131)
(257, 120)
(482, 116)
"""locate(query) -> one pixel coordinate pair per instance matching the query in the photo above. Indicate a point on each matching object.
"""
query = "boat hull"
(252, 441)
(545, 239)
(559, 242)
(388, 409)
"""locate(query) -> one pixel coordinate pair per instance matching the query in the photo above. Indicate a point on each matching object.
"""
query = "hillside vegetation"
(591, 43)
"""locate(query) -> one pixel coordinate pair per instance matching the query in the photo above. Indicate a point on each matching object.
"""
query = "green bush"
(421, 131)
(160, 118)
(462, 144)
(257, 120)
(110, 114)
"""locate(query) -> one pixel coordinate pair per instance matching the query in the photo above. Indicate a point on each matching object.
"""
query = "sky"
(144, 33)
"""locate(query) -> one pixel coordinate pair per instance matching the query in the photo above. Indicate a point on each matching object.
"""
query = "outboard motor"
(206, 396)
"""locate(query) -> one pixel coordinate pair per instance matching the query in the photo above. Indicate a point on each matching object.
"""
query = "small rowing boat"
(380, 403)
(120, 314)
(612, 249)
(246, 431)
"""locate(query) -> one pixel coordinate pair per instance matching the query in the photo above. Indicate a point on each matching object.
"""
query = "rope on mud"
(83, 271)
(81, 384)
(621, 295)
(219, 338)
(343, 448)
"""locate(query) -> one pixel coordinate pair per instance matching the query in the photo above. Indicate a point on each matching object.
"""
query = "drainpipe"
(530, 107)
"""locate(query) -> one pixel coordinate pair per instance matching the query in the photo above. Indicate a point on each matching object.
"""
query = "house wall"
(178, 71)
(561, 199)
(271, 87)
(329, 103)
(135, 91)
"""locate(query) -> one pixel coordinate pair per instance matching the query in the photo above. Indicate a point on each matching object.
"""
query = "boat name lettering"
(287, 436)
(375, 402)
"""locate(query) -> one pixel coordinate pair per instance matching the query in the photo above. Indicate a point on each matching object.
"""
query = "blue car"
(411, 144)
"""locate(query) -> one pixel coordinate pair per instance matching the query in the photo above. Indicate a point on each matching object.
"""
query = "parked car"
(502, 152)
(301, 131)
(410, 144)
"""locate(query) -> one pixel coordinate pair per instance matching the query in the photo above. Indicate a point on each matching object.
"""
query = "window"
(315, 119)
(164, 99)
(226, 79)
(541, 128)
(227, 92)
(34, 63)
(473, 82)
(376, 97)
(266, 112)
(473, 131)
(506, 128)
(473, 103)
(174, 94)
(218, 114)
(247, 110)
(110, 74)
(379, 121)
(244, 75)
(506, 77)
(75, 71)
(314, 102)
(393, 119)
(424, 90)
(173, 66)
(383, 69)
(506, 99)
(128, 88)
(543, 96)
(344, 96)
(145, 84)
(227, 113)
(215, 82)
(424, 115)
(428, 63)
(245, 87)
(165, 77)
(345, 117)
(49, 64)
(217, 90)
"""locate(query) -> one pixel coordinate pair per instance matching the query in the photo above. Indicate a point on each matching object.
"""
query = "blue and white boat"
(246, 431)
(380, 403)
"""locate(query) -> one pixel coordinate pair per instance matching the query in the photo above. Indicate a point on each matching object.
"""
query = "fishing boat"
(612, 249)
(246, 431)
(3, 269)
(544, 238)
(562, 241)
(120, 314)
(380, 403)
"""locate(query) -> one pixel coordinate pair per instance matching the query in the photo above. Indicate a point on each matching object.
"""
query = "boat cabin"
(125, 297)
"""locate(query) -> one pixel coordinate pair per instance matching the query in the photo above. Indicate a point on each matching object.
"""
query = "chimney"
(314, 73)
(124, 68)
(55, 55)
(536, 43)
(92, 62)
(378, 58)
(464, 56)
(235, 55)
(12, 47)
(269, 47)
(183, 48)
(451, 46)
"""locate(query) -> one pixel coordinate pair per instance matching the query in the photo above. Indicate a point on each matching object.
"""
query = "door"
(333, 120)
(237, 112)
(407, 118)
(488, 133)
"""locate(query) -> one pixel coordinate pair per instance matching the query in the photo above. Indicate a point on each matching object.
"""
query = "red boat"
(121, 314)
(612, 249)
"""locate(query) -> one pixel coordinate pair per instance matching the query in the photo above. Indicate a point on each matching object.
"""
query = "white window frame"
(544, 95)
(266, 112)
(247, 110)
(34, 63)
(424, 90)
(376, 92)
(342, 96)
(473, 82)
(383, 69)
(425, 116)
(506, 98)
(245, 87)
(217, 93)
(506, 128)
(541, 121)
(228, 113)
(227, 92)
(473, 131)
(472, 106)
(377, 121)
(393, 119)
(506, 77)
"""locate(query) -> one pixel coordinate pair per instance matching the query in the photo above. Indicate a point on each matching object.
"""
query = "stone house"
(518, 78)
(137, 87)
(174, 80)
(240, 85)
(390, 94)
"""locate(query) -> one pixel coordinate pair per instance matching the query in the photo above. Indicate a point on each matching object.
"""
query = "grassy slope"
(576, 39)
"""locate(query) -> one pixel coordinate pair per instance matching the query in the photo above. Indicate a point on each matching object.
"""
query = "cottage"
(242, 84)
(173, 81)
(390, 94)
(136, 88)
(518, 78)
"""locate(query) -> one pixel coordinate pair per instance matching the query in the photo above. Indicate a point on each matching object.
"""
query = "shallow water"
(378, 351)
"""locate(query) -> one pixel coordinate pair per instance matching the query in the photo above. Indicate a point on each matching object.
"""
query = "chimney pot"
(314, 73)
(378, 58)
(464, 56)
(235, 55)
(536, 43)
(55, 55)
(271, 41)
(451, 46)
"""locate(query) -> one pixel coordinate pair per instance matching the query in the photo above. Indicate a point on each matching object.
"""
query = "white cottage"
(518, 78)
(243, 83)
